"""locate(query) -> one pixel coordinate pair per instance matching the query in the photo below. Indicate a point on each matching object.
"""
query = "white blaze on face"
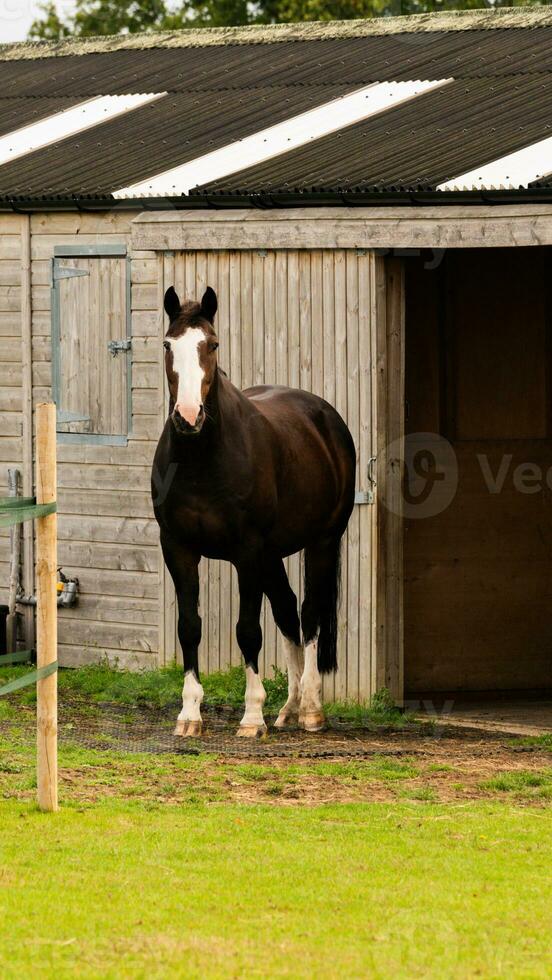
(185, 351)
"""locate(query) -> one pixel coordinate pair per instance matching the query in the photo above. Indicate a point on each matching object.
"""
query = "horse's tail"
(320, 608)
(327, 638)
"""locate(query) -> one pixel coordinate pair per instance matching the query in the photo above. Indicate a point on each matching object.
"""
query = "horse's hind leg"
(284, 609)
(183, 566)
(319, 624)
(250, 638)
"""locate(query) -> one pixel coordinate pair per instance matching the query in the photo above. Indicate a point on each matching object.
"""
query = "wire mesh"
(107, 725)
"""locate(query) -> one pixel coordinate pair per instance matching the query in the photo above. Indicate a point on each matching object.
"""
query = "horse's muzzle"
(183, 427)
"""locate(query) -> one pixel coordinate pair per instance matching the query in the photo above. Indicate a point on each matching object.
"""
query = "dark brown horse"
(250, 477)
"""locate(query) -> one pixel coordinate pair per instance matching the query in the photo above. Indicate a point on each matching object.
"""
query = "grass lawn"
(122, 889)
(427, 857)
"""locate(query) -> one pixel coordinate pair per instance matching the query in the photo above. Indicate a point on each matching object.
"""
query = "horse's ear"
(172, 304)
(209, 304)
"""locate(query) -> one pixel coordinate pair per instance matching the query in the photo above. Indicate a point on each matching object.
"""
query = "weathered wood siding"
(305, 319)
(10, 370)
(318, 319)
(107, 534)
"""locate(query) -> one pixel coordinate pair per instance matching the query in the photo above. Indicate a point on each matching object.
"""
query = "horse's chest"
(202, 525)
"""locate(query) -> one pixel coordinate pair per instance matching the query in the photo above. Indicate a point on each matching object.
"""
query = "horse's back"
(317, 449)
(278, 402)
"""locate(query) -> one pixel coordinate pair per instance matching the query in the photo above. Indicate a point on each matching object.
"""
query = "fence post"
(46, 609)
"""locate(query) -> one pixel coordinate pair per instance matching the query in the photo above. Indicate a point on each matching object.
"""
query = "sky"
(16, 16)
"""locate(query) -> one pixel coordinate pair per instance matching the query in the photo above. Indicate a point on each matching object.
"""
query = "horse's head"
(190, 358)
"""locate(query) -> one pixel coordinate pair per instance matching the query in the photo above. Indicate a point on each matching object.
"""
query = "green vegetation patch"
(533, 741)
(521, 781)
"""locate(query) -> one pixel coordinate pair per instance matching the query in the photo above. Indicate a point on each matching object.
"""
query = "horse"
(251, 477)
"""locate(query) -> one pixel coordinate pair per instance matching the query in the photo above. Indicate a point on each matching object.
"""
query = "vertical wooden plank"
(246, 302)
(27, 409)
(115, 367)
(258, 325)
(317, 319)
(78, 322)
(379, 400)
(281, 323)
(202, 272)
(46, 609)
(340, 403)
(305, 321)
(164, 654)
(393, 542)
(367, 373)
(353, 531)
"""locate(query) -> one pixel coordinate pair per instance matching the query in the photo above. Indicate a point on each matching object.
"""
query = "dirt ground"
(427, 761)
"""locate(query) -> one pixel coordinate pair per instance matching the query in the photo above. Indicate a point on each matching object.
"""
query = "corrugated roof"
(226, 84)
(18, 112)
(351, 61)
(175, 129)
(418, 145)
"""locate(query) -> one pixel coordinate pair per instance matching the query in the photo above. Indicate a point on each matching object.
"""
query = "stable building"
(372, 202)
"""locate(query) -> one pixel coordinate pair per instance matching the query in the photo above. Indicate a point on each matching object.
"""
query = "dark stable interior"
(478, 565)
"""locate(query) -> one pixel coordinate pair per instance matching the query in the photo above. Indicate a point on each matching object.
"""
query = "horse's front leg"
(250, 638)
(183, 566)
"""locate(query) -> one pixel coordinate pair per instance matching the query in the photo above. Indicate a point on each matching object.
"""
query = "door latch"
(368, 496)
(116, 347)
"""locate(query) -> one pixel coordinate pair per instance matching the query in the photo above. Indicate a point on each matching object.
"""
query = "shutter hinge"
(116, 347)
(63, 273)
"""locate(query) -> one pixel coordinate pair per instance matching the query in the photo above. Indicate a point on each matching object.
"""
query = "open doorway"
(478, 564)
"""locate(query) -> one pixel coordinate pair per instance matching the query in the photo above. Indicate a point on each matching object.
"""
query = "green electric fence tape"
(15, 510)
(27, 679)
(21, 657)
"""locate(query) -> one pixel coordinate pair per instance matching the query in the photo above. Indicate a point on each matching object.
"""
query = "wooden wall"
(107, 535)
(317, 319)
(305, 319)
(10, 370)
(478, 575)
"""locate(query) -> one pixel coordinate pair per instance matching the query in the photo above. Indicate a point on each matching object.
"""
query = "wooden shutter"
(91, 383)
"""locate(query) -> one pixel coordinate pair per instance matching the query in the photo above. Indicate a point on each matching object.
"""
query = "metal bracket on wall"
(368, 496)
(116, 347)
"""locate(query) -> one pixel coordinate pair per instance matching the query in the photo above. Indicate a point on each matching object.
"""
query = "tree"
(100, 17)
(116, 17)
(49, 27)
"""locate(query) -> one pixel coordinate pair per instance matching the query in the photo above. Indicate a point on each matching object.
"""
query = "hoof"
(251, 731)
(287, 719)
(313, 721)
(188, 729)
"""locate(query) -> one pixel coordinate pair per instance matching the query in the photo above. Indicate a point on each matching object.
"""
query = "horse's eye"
(167, 344)
(213, 345)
